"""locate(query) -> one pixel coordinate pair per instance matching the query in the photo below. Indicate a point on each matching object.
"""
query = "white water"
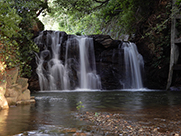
(88, 78)
(40, 70)
(58, 78)
(134, 64)
(77, 69)
(55, 75)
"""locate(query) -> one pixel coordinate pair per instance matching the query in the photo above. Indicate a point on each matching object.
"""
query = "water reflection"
(16, 119)
(3, 116)
(56, 109)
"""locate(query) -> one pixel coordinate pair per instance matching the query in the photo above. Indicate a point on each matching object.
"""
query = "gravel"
(114, 124)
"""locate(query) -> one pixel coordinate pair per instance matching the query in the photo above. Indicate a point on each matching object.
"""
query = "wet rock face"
(109, 61)
(108, 56)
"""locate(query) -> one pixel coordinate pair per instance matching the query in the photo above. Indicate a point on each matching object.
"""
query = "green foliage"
(178, 2)
(113, 17)
(79, 106)
(9, 20)
(97, 114)
(9, 26)
(17, 19)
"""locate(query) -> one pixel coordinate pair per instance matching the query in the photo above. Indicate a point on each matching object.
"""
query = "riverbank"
(114, 124)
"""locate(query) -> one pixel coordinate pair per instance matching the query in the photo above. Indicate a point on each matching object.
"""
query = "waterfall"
(76, 69)
(67, 62)
(88, 77)
(134, 65)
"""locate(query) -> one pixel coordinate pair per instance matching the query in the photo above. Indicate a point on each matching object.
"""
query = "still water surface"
(55, 110)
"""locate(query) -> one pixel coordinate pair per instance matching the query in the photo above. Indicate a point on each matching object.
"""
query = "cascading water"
(79, 63)
(67, 62)
(88, 77)
(51, 71)
(134, 65)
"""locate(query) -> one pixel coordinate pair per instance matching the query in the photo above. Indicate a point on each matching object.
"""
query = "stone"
(34, 84)
(79, 134)
(11, 100)
(32, 97)
(13, 90)
(12, 75)
(32, 101)
(12, 93)
(25, 95)
(3, 102)
(23, 82)
(104, 40)
(23, 102)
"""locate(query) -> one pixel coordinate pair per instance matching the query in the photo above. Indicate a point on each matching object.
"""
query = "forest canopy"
(144, 18)
(114, 17)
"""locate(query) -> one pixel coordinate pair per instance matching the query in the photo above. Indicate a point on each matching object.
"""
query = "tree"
(17, 19)
(114, 17)
(9, 26)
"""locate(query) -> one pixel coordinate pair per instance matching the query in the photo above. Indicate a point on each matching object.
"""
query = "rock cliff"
(13, 90)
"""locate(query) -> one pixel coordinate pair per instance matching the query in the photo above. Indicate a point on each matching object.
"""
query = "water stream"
(134, 65)
(88, 77)
(54, 111)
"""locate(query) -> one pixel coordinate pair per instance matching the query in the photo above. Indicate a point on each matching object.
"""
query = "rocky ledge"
(14, 90)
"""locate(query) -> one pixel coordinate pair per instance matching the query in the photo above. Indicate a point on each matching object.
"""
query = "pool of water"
(54, 111)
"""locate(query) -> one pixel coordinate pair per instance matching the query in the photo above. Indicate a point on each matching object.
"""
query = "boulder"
(12, 93)
(104, 40)
(23, 82)
(11, 100)
(12, 75)
(13, 90)
(25, 95)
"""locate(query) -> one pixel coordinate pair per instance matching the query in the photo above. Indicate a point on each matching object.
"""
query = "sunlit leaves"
(9, 26)
(92, 16)
(16, 23)
(9, 20)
